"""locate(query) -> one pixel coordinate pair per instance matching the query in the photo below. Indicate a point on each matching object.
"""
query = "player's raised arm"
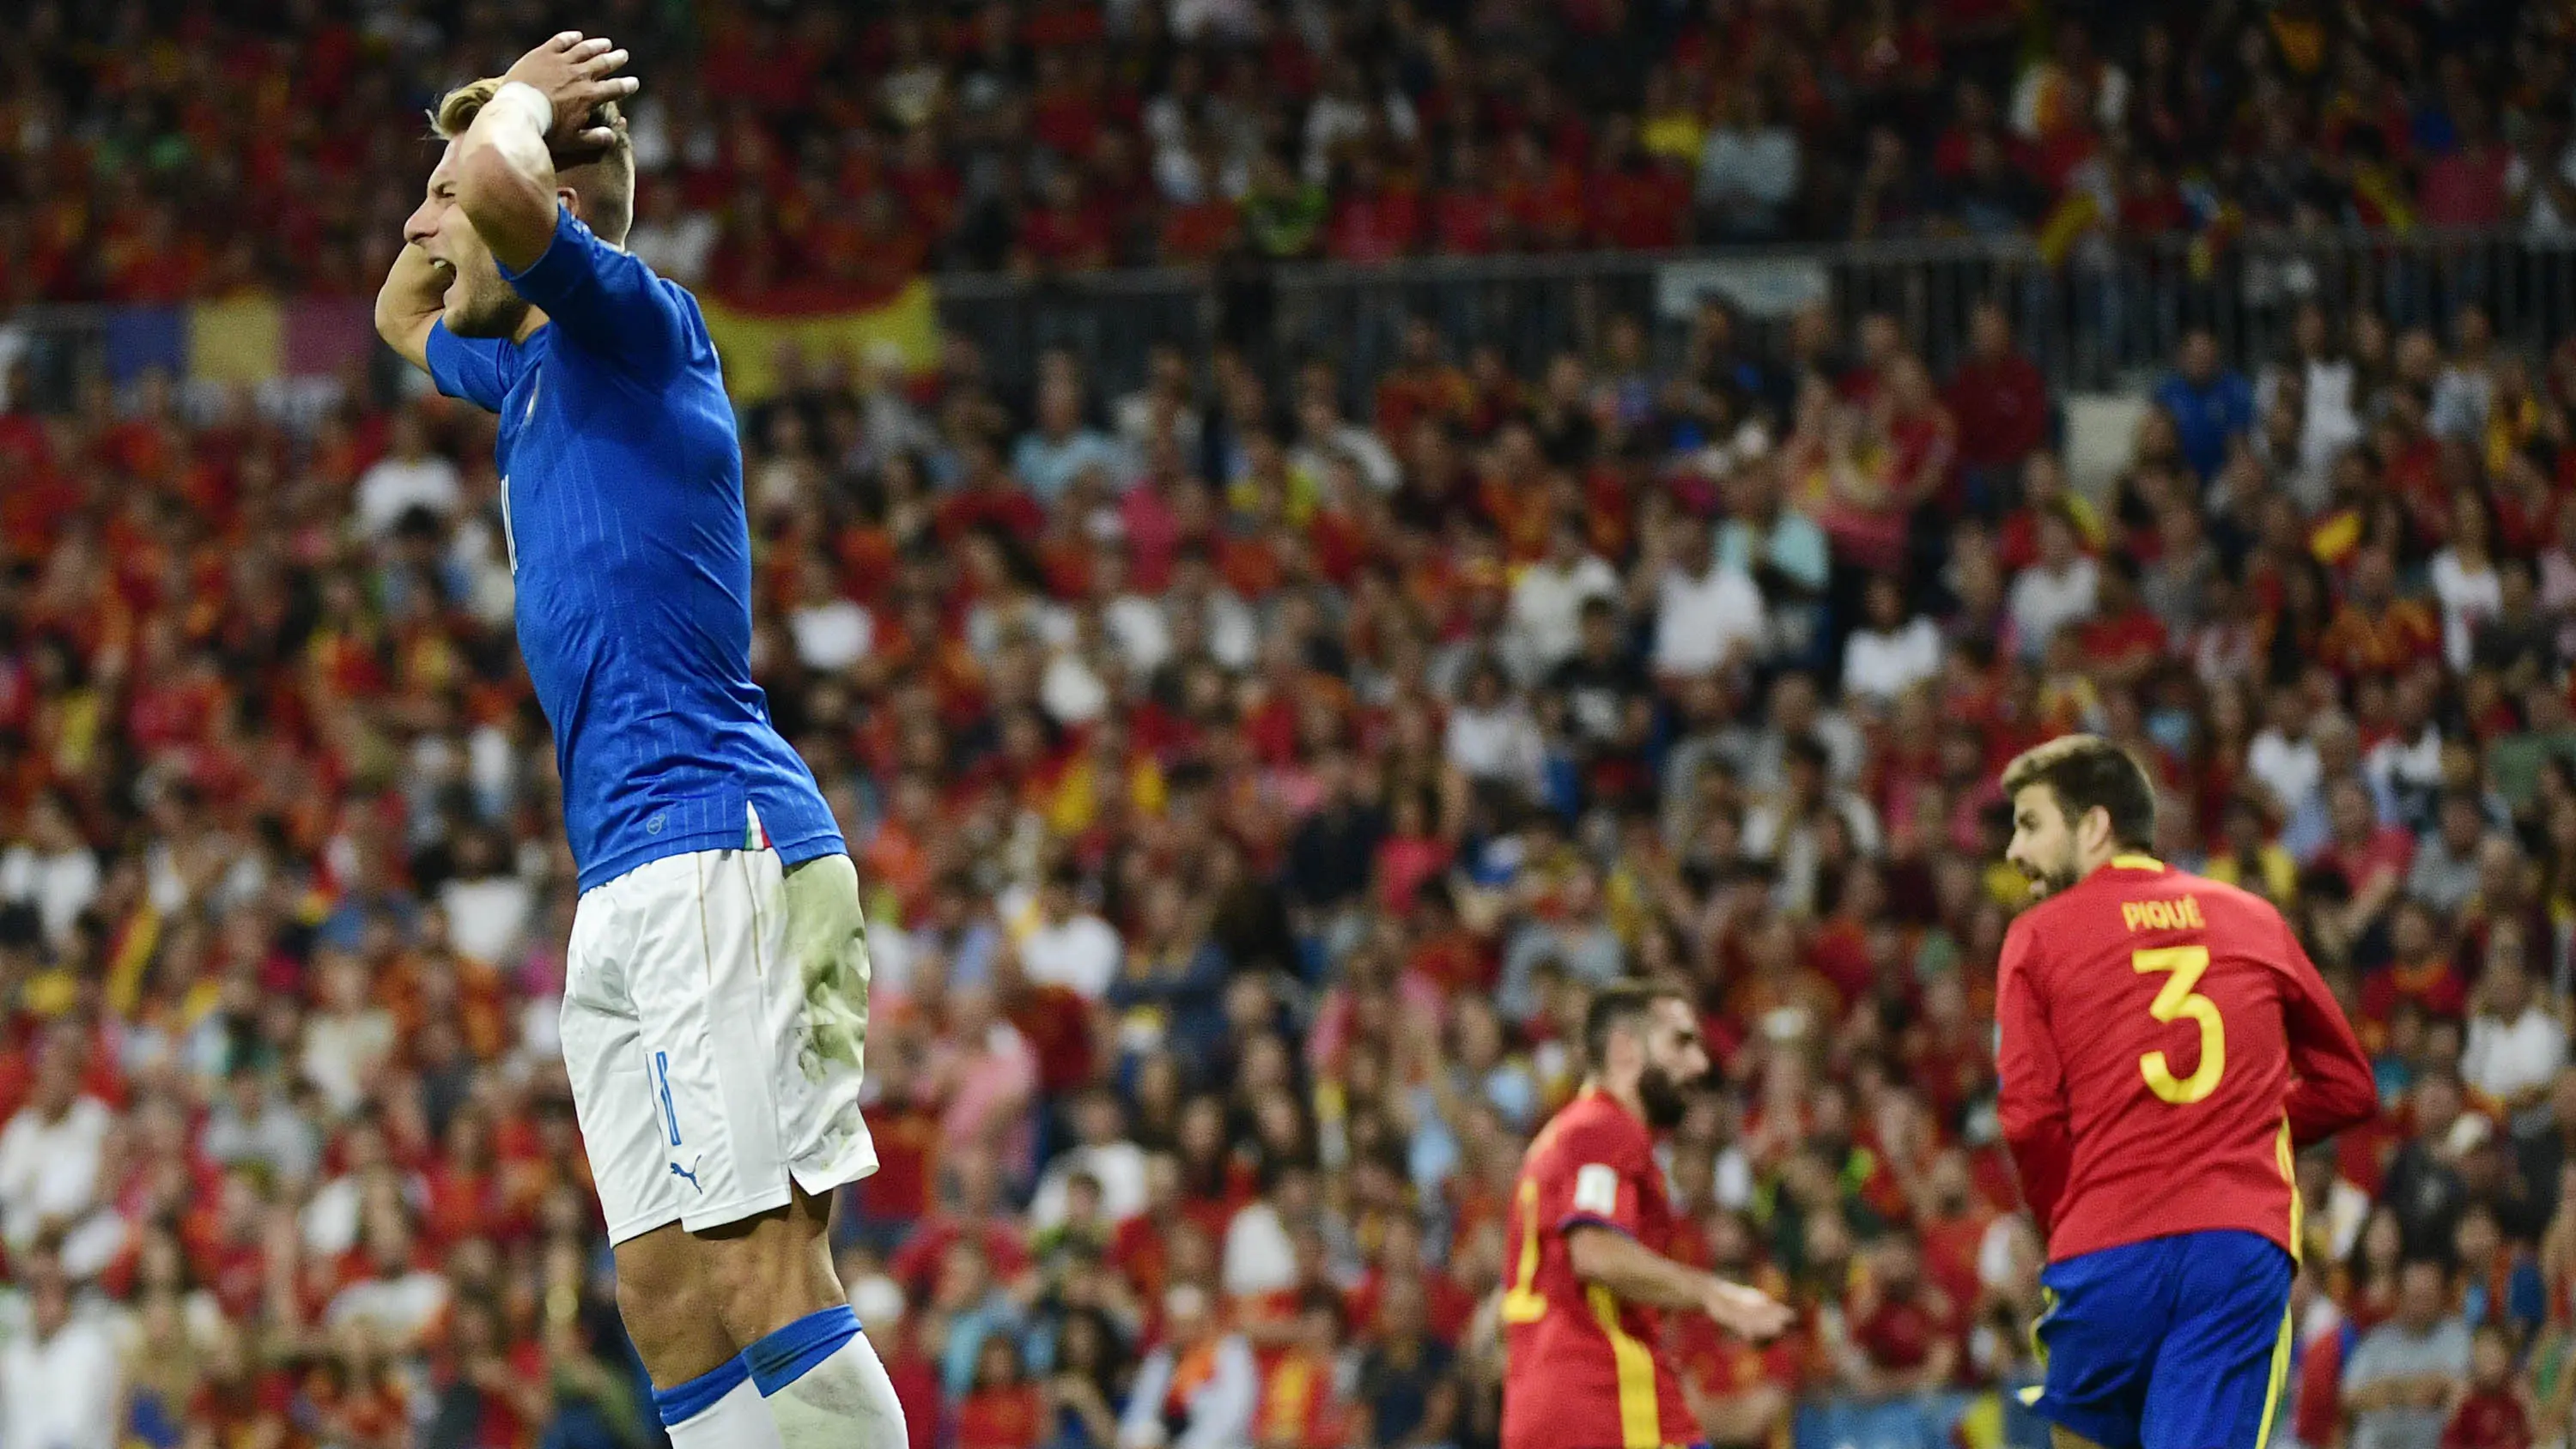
(2031, 1100)
(2333, 1087)
(505, 160)
(552, 206)
(410, 303)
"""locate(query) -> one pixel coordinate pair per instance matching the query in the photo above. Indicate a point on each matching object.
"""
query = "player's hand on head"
(578, 74)
(1748, 1312)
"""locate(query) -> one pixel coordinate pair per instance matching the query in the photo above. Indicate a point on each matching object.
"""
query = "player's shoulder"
(1593, 1128)
(2200, 903)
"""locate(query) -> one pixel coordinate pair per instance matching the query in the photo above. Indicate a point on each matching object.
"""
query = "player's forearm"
(509, 134)
(2335, 1087)
(2042, 1149)
(2321, 1106)
(1635, 1273)
(410, 303)
(505, 175)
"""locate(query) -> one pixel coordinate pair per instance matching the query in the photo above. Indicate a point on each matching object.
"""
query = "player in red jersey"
(2166, 1046)
(1590, 1224)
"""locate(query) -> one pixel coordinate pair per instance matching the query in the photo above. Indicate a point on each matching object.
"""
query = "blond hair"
(605, 182)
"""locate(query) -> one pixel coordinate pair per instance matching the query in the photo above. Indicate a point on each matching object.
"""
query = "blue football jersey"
(621, 502)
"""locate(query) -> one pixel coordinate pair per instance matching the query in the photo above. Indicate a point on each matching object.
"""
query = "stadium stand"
(1248, 782)
(162, 152)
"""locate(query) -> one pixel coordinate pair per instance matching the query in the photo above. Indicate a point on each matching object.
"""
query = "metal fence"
(2099, 319)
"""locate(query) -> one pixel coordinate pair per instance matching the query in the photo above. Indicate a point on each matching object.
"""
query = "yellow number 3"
(2175, 1001)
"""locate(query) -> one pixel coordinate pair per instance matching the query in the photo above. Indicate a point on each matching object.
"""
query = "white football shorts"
(715, 1020)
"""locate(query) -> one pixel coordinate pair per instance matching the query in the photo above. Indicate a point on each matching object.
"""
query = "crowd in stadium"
(162, 152)
(1250, 775)
(1248, 788)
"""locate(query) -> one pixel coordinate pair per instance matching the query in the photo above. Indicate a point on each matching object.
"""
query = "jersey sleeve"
(2031, 1100)
(2333, 1087)
(1600, 1182)
(604, 299)
(478, 370)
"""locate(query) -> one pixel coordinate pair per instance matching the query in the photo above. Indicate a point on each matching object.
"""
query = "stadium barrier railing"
(2104, 315)
(2098, 318)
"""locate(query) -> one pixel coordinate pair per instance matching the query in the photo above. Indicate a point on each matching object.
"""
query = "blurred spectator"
(408, 476)
(2492, 1413)
(2404, 1380)
(2516, 1045)
(2058, 591)
(60, 1381)
(1100, 1152)
(2208, 403)
(2000, 401)
(49, 868)
(1061, 447)
(1708, 616)
(53, 1148)
(1748, 168)
(1198, 1390)
(1405, 1397)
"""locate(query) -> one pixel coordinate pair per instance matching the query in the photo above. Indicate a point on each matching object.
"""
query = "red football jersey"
(2165, 1045)
(1582, 1370)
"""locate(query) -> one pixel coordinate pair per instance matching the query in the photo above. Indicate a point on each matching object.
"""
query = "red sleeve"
(2032, 1101)
(1599, 1181)
(2333, 1087)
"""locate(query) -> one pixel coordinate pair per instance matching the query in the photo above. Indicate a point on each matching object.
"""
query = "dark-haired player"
(1588, 1279)
(2166, 1047)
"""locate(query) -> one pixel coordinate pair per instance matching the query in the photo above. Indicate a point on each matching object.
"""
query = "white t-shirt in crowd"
(2505, 1059)
(62, 1392)
(832, 635)
(49, 1169)
(1885, 665)
(1081, 953)
(1547, 611)
(1119, 1168)
(2042, 602)
(2469, 598)
(487, 918)
(393, 487)
(2288, 768)
(1700, 620)
(59, 886)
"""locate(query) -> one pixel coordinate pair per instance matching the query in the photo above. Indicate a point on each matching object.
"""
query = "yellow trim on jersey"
(2290, 1175)
(2039, 1346)
(1524, 1303)
(1641, 1424)
(2136, 861)
(2280, 1376)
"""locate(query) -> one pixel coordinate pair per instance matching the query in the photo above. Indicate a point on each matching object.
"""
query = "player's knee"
(771, 1271)
(662, 1295)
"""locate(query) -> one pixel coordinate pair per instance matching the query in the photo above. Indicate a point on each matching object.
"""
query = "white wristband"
(540, 111)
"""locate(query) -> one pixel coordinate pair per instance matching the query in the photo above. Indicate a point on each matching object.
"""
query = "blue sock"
(783, 1357)
(687, 1401)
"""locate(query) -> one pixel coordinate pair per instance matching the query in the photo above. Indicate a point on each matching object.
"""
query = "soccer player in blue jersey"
(715, 1002)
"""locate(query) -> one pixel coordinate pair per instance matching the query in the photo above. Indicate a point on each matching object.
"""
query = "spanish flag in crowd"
(2215, 223)
(752, 335)
(254, 338)
(2379, 195)
(2076, 213)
